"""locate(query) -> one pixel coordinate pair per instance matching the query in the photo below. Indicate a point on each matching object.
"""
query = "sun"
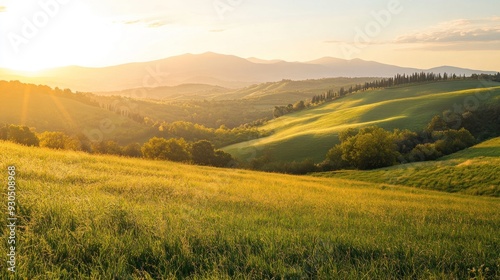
(69, 35)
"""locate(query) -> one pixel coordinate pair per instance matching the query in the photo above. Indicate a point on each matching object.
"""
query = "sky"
(94, 33)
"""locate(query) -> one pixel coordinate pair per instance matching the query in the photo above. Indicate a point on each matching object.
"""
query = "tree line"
(397, 80)
(220, 137)
(201, 152)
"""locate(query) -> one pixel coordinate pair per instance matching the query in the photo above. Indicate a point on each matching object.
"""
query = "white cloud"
(456, 31)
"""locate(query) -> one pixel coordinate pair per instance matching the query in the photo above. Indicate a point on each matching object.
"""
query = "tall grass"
(103, 217)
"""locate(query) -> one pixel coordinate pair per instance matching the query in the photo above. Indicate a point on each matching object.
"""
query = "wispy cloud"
(3, 9)
(148, 22)
(217, 30)
(457, 31)
(367, 43)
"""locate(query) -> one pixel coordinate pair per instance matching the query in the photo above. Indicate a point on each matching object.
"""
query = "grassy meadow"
(103, 217)
(472, 171)
(404, 107)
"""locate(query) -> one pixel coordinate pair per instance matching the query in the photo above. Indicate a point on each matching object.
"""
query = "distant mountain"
(213, 69)
(263, 61)
(361, 68)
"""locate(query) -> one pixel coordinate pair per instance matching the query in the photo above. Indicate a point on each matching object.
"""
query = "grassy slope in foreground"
(84, 216)
(311, 133)
(473, 171)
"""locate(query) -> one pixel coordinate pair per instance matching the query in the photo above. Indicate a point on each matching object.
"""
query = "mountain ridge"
(213, 69)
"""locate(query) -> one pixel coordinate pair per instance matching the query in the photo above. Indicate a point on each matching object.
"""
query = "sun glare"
(41, 39)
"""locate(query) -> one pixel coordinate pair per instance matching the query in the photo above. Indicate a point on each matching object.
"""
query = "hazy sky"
(426, 33)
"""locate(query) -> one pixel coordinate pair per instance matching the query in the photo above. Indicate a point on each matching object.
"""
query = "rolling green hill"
(472, 171)
(91, 217)
(310, 133)
(288, 92)
(50, 112)
(180, 92)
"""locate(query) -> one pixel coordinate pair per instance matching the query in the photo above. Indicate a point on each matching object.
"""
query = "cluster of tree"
(19, 134)
(178, 150)
(283, 110)
(60, 141)
(201, 152)
(488, 77)
(16, 87)
(483, 122)
(374, 147)
(209, 113)
(327, 96)
(220, 137)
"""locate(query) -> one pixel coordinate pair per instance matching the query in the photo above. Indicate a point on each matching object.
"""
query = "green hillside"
(472, 171)
(103, 217)
(288, 91)
(310, 133)
(180, 92)
(49, 112)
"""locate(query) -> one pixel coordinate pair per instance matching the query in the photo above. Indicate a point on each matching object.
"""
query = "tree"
(373, 150)
(132, 150)
(299, 106)
(162, 149)
(406, 140)
(423, 152)
(222, 159)
(155, 148)
(372, 147)
(177, 150)
(53, 140)
(348, 133)
(437, 124)
(335, 160)
(451, 141)
(19, 134)
(107, 147)
(203, 152)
